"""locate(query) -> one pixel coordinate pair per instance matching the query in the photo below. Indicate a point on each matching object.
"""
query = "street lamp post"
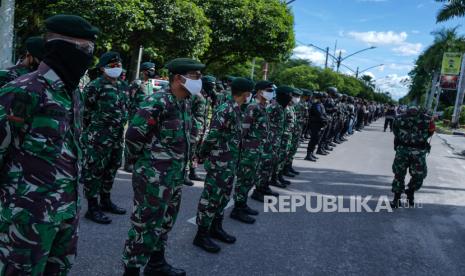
(364, 70)
(340, 59)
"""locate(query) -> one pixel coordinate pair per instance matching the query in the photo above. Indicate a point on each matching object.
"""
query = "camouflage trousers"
(101, 163)
(294, 146)
(265, 167)
(38, 248)
(216, 192)
(247, 175)
(283, 150)
(156, 207)
(415, 161)
(193, 153)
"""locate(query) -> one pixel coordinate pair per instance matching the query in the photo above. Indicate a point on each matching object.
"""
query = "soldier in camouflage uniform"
(221, 148)
(158, 146)
(40, 126)
(198, 109)
(277, 115)
(411, 133)
(30, 62)
(298, 110)
(105, 115)
(256, 136)
(138, 91)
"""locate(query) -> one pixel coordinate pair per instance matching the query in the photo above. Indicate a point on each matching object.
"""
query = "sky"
(399, 29)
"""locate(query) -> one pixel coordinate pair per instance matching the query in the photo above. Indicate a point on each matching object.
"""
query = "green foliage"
(302, 76)
(450, 110)
(453, 8)
(222, 33)
(445, 40)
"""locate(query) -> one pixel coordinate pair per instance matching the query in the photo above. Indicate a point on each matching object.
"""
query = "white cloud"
(408, 49)
(309, 53)
(400, 67)
(380, 38)
(395, 84)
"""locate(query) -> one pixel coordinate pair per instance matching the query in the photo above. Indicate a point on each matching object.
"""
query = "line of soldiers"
(53, 137)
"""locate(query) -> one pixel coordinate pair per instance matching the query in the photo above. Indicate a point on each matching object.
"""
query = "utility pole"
(430, 95)
(7, 9)
(356, 73)
(338, 62)
(253, 69)
(265, 71)
(438, 96)
(460, 94)
(326, 60)
(139, 60)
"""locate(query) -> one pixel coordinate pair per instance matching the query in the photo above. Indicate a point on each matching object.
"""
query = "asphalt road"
(420, 241)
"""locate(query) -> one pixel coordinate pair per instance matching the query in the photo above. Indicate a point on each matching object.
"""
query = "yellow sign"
(451, 63)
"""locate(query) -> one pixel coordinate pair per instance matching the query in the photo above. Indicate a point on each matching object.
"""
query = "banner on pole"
(450, 70)
(451, 64)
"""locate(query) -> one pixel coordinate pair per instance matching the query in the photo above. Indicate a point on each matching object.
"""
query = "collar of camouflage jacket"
(50, 76)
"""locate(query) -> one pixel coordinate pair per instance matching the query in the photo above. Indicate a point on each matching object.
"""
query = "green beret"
(230, 78)
(71, 25)
(287, 90)
(263, 84)
(306, 92)
(331, 90)
(242, 85)
(297, 92)
(35, 46)
(107, 58)
(183, 65)
(147, 65)
(208, 79)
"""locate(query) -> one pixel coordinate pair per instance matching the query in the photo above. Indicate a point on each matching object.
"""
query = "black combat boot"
(258, 196)
(250, 211)
(332, 144)
(320, 151)
(292, 170)
(314, 156)
(157, 265)
(94, 213)
(327, 148)
(283, 181)
(310, 157)
(395, 203)
(131, 271)
(267, 191)
(187, 181)
(194, 176)
(274, 182)
(217, 232)
(410, 197)
(286, 172)
(107, 206)
(202, 239)
(238, 213)
(128, 168)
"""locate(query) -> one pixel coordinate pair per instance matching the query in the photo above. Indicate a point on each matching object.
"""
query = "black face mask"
(67, 61)
(283, 99)
(151, 74)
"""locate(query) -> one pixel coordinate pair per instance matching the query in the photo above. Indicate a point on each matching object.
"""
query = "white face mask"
(295, 100)
(248, 98)
(193, 86)
(268, 95)
(113, 73)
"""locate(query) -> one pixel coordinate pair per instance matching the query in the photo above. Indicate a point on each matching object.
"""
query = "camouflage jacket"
(198, 107)
(222, 97)
(40, 126)
(12, 73)
(222, 144)
(158, 136)
(289, 123)
(413, 130)
(106, 107)
(255, 128)
(138, 91)
(276, 116)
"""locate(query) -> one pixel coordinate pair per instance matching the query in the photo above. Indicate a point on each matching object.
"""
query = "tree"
(166, 28)
(453, 8)
(445, 40)
(302, 76)
(244, 29)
